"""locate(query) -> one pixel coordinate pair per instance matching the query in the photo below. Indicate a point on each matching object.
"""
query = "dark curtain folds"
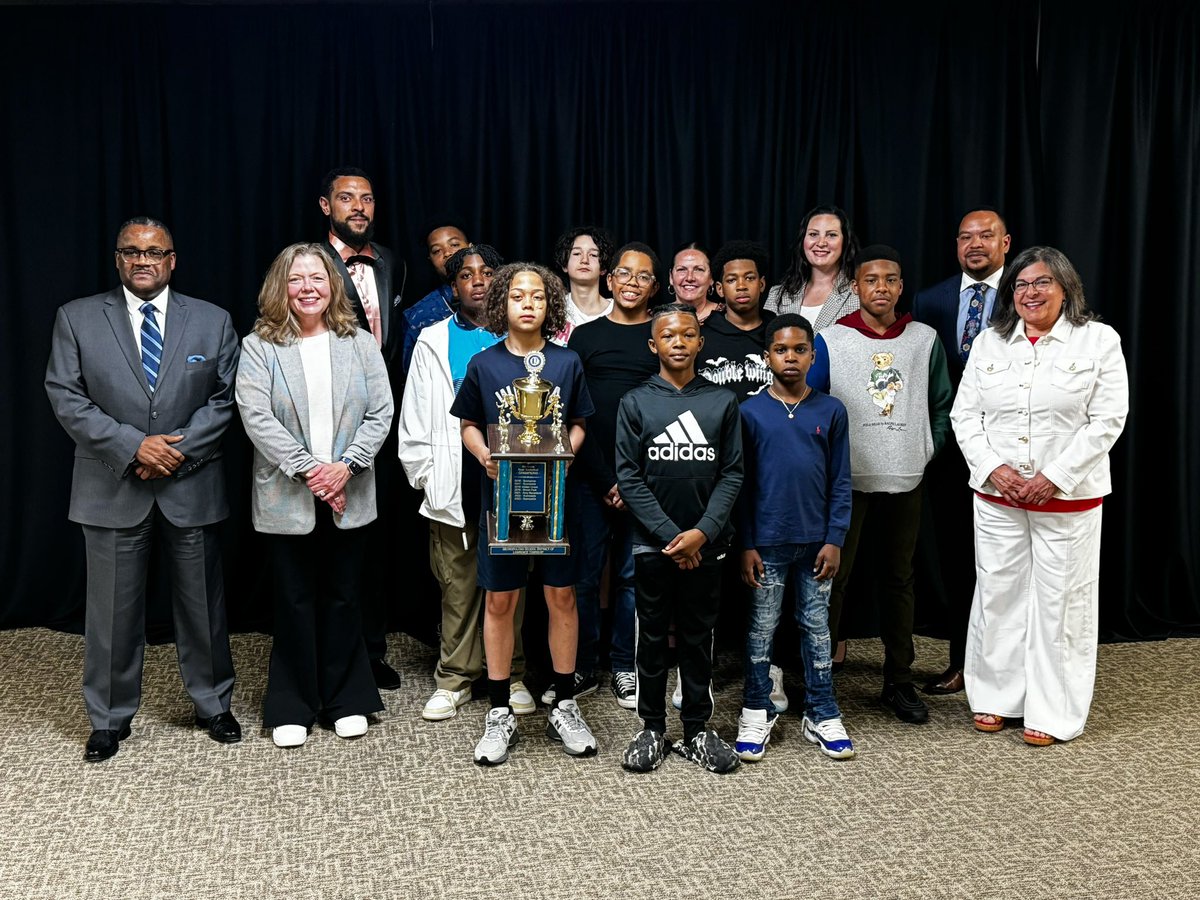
(664, 121)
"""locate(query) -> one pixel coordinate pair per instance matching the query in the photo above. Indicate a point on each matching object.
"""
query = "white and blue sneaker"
(754, 733)
(830, 735)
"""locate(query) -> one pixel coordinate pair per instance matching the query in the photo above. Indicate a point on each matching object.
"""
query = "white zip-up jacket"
(1055, 407)
(430, 442)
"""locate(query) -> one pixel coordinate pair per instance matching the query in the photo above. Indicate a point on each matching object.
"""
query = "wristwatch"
(354, 467)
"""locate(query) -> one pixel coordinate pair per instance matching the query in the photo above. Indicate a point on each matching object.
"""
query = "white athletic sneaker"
(520, 699)
(350, 726)
(778, 697)
(754, 733)
(499, 733)
(566, 724)
(677, 697)
(289, 735)
(444, 704)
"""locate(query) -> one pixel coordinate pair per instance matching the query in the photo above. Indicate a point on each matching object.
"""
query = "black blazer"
(389, 285)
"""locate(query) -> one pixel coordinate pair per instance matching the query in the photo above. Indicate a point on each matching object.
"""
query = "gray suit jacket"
(101, 397)
(272, 398)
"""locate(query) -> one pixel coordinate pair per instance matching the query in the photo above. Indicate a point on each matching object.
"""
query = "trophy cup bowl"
(532, 405)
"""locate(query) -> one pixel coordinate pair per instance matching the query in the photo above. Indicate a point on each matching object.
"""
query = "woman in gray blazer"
(315, 401)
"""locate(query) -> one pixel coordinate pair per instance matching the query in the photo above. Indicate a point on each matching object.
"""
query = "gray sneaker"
(499, 733)
(645, 752)
(566, 725)
(708, 751)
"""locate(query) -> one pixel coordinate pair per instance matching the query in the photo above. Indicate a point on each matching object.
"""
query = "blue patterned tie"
(974, 321)
(151, 344)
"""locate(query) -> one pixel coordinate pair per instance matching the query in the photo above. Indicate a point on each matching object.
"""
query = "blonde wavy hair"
(276, 322)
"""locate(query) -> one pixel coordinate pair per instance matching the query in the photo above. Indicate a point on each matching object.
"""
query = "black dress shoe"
(902, 699)
(222, 728)
(386, 678)
(104, 743)
(949, 682)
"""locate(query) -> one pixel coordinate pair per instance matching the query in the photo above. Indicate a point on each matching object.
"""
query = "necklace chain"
(791, 410)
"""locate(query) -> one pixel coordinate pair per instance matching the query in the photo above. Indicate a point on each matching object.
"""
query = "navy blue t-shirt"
(497, 367)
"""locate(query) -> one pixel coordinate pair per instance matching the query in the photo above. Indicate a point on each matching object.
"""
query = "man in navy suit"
(141, 378)
(958, 309)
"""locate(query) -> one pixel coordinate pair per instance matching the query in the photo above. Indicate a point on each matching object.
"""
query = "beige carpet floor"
(936, 811)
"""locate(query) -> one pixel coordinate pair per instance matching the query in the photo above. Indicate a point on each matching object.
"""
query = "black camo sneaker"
(645, 752)
(708, 751)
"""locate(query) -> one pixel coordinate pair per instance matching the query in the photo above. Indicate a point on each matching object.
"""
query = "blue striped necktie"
(151, 344)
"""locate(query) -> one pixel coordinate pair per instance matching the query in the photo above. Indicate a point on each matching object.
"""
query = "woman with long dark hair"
(817, 282)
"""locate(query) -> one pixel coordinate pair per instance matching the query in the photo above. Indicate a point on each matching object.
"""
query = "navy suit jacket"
(937, 307)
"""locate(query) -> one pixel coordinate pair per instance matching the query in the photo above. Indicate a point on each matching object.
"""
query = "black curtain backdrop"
(664, 121)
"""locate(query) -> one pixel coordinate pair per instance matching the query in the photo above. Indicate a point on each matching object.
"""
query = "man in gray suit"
(142, 380)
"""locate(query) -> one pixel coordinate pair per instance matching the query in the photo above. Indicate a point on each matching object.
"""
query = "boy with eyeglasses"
(613, 350)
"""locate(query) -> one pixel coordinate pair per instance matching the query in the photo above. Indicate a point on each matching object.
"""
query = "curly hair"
(566, 241)
(751, 250)
(800, 269)
(497, 298)
(490, 256)
(276, 322)
(1074, 307)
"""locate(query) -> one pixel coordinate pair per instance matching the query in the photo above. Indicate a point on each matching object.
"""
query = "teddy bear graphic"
(885, 382)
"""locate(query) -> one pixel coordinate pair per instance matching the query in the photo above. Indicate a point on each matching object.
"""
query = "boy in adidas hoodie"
(679, 470)
(891, 374)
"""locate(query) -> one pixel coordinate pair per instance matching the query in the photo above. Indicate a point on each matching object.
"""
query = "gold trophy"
(530, 399)
(531, 482)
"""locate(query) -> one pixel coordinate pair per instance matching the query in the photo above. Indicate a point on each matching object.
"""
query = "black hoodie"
(679, 460)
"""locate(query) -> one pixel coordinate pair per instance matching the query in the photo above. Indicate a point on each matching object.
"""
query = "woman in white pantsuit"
(1043, 399)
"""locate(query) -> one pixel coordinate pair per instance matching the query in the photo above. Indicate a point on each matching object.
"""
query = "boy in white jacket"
(431, 451)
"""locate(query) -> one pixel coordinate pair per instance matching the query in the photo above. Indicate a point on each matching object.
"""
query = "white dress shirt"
(134, 306)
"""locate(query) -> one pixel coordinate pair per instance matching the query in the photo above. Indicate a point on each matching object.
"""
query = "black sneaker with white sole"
(709, 752)
(624, 688)
(584, 685)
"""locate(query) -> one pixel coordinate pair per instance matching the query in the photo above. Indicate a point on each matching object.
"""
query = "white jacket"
(430, 441)
(1055, 407)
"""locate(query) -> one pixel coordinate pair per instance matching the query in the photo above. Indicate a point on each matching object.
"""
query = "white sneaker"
(444, 704)
(499, 733)
(566, 724)
(350, 726)
(677, 697)
(289, 735)
(754, 733)
(521, 699)
(778, 697)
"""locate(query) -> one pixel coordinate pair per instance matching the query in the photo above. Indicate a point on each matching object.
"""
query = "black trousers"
(691, 599)
(319, 662)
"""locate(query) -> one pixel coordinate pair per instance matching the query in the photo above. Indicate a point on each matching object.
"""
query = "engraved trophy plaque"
(532, 458)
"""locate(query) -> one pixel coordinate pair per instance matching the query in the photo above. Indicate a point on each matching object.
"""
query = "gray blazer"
(101, 397)
(272, 398)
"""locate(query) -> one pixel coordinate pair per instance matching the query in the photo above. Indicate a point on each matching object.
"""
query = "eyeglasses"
(1042, 284)
(622, 275)
(133, 254)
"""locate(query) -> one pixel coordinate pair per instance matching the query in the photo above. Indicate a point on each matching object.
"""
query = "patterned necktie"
(151, 345)
(974, 320)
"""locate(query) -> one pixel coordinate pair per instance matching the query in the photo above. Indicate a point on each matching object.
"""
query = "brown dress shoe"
(949, 682)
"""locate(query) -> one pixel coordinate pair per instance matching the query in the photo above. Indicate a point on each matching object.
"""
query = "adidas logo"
(682, 440)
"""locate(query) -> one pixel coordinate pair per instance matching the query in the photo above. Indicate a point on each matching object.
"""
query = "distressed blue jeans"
(812, 616)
